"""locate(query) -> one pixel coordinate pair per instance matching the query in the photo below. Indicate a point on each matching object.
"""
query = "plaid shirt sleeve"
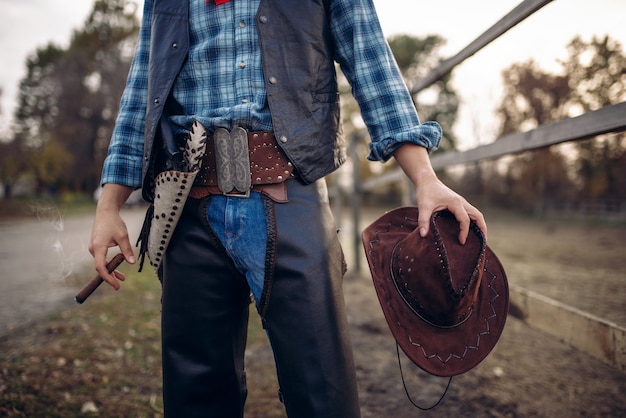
(377, 85)
(123, 163)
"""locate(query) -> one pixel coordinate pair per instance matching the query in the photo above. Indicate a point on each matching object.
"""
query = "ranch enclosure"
(577, 265)
(108, 347)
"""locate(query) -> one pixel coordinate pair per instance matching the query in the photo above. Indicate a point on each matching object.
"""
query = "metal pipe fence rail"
(595, 336)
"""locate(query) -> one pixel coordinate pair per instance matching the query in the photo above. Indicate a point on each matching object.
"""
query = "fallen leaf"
(89, 407)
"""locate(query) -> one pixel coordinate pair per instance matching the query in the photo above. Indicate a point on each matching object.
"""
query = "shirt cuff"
(427, 135)
(125, 171)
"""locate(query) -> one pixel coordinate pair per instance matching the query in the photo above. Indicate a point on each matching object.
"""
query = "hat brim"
(437, 350)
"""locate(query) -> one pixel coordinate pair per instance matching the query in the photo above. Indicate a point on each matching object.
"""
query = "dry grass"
(104, 356)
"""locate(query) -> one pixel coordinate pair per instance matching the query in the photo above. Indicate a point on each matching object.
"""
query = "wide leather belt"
(238, 162)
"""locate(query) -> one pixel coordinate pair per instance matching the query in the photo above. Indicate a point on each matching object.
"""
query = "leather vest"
(300, 79)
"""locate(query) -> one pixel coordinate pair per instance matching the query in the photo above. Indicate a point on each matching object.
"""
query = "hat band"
(419, 314)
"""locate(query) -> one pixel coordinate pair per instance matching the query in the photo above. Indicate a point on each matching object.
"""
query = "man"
(266, 66)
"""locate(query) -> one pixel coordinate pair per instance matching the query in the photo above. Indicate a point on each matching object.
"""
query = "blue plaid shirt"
(221, 83)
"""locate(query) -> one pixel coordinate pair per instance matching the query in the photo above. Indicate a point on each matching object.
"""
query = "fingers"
(479, 219)
(99, 254)
(119, 275)
(100, 243)
(423, 219)
(460, 209)
(464, 224)
(464, 213)
(111, 278)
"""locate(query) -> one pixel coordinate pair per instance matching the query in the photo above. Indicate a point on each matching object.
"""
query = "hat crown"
(437, 277)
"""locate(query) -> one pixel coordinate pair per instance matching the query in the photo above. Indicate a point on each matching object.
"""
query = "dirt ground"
(529, 374)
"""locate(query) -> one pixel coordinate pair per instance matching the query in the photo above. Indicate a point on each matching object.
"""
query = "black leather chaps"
(206, 304)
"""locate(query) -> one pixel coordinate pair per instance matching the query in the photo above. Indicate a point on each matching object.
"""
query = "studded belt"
(238, 162)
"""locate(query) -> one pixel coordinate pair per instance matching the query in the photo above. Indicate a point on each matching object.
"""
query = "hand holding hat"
(445, 302)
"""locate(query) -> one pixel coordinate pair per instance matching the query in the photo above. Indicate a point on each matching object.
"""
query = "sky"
(28, 24)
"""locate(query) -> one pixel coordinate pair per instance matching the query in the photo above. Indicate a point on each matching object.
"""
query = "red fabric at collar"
(218, 2)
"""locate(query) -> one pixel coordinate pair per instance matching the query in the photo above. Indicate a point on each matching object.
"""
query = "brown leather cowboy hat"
(445, 303)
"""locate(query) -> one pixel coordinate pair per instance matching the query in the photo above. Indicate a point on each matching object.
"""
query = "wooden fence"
(604, 340)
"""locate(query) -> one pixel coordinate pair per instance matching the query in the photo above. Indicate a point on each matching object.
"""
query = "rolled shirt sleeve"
(377, 85)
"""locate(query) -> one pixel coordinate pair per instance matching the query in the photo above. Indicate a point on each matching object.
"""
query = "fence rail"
(608, 119)
(515, 16)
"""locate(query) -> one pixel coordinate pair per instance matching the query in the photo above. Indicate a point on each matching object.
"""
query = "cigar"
(97, 281)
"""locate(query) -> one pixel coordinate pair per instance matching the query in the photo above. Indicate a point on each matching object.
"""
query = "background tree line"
(68, 102)
(567, 176)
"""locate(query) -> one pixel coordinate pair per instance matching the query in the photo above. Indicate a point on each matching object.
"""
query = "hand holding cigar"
(97, 281)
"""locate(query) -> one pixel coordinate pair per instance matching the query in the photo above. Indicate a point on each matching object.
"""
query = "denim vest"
(299, 72)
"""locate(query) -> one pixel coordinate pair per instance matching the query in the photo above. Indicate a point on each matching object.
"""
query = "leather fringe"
(142, 240)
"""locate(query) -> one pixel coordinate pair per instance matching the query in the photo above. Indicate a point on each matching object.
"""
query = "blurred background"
(65, 65)
(557, 212)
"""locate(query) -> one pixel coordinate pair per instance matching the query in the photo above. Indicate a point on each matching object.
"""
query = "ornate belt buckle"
(232, 159)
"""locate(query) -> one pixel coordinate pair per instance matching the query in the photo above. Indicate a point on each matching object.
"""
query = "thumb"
(127, 250)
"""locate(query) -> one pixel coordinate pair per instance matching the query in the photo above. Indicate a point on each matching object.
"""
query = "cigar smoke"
(54, 230)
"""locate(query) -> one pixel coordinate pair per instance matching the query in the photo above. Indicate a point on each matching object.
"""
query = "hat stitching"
(487, 330)
(443, 252)
(406, 326)
(496, 295)
(374, 241)
(421, 312)
(443, 257)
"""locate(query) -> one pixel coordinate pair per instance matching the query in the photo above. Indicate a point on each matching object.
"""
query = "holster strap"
(222, 167)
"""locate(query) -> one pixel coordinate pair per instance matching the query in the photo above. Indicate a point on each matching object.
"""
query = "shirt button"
(157, 100)
(242, 65)
(263, 19)
(283, 139)
(242, 24)
(272, 80)
(174, 45)
(244, 101)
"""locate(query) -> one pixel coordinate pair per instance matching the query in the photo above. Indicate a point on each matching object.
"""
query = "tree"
(597, 72)
(533, 98)
(68, 100)
(12, 162)
(593, 76)
(38, 97)
(49, 163)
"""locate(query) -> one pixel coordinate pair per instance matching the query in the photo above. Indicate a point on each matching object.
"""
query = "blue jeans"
(240, 225)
